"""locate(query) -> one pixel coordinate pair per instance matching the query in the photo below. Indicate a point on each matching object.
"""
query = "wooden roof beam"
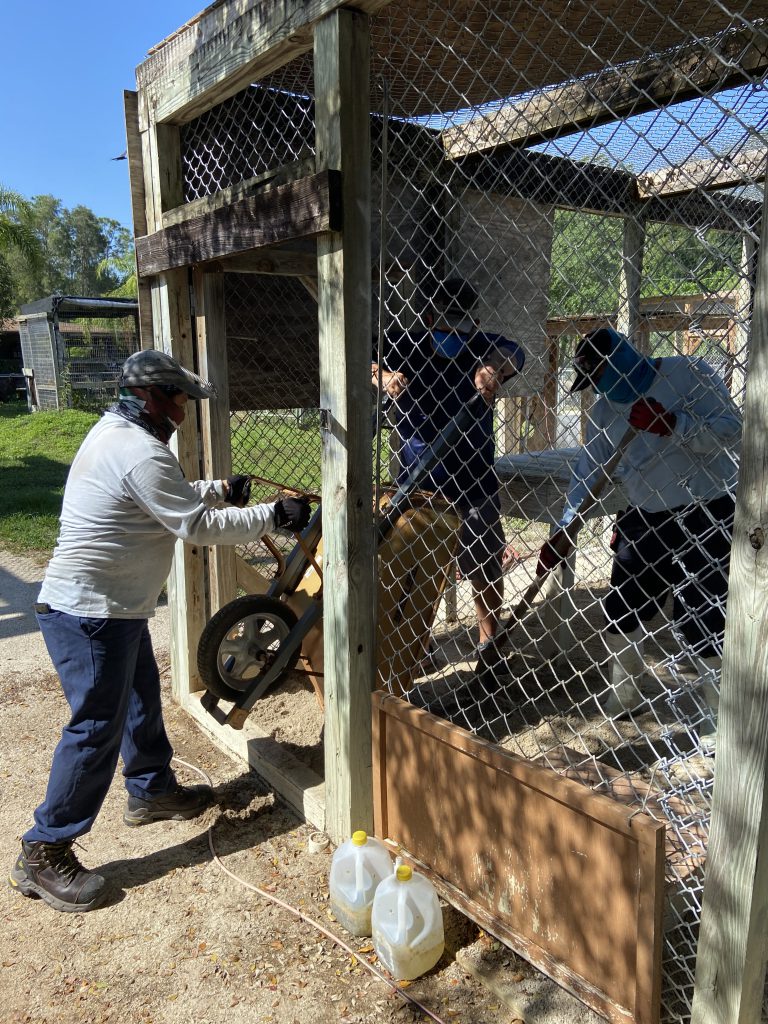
(229, 46)
(299, 209)
(702, 68)
(744, 167)
(580, 185)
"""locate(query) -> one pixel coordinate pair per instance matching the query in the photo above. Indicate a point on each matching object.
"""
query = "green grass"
(36, 452)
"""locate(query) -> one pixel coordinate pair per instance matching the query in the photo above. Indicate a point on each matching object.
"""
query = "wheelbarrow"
(250, 644)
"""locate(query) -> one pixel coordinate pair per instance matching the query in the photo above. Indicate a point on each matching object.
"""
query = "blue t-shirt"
(438, 389)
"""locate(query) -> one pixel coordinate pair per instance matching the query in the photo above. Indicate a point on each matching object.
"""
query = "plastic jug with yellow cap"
(407, 924)
(357, 868)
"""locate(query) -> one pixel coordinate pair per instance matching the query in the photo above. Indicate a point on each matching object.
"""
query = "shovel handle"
(608, 468)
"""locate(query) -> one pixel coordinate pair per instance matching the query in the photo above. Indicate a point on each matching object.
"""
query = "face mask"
(627, 375)
(449, 343)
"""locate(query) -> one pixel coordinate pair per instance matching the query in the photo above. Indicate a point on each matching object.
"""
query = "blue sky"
(63, 71)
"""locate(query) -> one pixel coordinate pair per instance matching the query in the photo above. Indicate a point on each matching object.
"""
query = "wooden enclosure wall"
(568, 878)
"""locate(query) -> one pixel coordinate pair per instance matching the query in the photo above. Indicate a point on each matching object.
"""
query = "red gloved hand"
(648, 414)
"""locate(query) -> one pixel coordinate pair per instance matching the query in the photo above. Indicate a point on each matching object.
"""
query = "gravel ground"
(180, 940)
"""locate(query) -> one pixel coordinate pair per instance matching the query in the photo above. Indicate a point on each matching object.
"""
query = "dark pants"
(684, 551)
(110, 678)
(481, 542)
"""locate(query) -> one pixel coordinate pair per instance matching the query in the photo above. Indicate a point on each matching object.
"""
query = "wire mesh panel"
(265, 128)
(528, 157)
(273, 371)
(38, 353)
(91, 352)
(558, 187)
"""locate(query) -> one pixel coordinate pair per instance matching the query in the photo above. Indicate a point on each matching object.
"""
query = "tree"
(81, 254)
(18, 241)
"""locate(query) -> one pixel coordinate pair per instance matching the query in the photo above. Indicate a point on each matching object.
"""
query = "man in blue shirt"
(432, 374)
(679, 475)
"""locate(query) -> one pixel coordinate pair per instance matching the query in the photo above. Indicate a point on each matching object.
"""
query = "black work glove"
(238, 490)
(292, 512)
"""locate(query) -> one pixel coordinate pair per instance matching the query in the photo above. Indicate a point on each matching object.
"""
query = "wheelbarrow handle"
(284, 487)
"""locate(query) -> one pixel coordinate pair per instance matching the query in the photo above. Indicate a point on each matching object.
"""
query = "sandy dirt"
(180, 942)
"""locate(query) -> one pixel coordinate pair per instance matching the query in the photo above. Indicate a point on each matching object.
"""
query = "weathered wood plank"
(280, 262)
(172, 320)
(703, 210)
(134, 148)
(230, 46)
(687, 72)
(740, 168)
(172, 332)
(730, 965)
(227, 196)
(211, 328)
(630, 275)
(295, 210)
(293, 780)
(342, 76)
(567, 877)
(549, 180)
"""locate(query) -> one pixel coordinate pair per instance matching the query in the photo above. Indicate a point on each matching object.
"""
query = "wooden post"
(344, 311)
(630, 278)
(739, 339)
(730, 966)
(172, 332)
(210, 325)
(138, 208)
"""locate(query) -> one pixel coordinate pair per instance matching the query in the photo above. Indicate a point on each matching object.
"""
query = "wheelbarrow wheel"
(240, 644)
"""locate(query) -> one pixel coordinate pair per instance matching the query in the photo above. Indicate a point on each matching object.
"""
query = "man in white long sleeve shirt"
(679, 475)
(126, 502)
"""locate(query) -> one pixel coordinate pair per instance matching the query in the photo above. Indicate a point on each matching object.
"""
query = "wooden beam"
(575, 185)
(688, 72)
(138, 206)
(172, 331)
(172, 319)
(227, 196)
(730, 964)
(297, 209)
(342, 75)
(230, 46)
(630, 276)
(211, 329)
(280, 262)
(706, 210)
(741, 168)
(548, 180)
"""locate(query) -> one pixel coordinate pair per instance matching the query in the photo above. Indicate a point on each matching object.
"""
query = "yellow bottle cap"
(403, 873)
(359, 838)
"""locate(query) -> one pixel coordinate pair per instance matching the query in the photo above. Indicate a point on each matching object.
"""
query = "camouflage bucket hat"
(148, 367)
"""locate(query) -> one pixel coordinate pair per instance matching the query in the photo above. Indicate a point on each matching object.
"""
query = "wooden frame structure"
(183, 250)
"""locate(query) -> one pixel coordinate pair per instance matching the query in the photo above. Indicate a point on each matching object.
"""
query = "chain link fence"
(533, 152)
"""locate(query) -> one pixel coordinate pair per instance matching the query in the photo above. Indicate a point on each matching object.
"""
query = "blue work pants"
(111, 681)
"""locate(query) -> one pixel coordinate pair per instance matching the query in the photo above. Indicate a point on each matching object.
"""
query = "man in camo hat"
(126, 503)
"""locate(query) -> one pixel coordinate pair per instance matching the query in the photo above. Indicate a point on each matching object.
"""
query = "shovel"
(490, 657)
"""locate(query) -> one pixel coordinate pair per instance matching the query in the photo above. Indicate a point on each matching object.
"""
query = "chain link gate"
(538, 157)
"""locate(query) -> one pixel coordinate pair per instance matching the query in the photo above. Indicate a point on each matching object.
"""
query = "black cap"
(455, 297)
(593, 349)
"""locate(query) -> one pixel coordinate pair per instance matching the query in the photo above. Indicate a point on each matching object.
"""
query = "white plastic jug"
(407, 924)
(357, 868)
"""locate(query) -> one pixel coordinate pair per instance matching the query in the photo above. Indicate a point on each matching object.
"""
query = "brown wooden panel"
(295, 210)
(566, 877)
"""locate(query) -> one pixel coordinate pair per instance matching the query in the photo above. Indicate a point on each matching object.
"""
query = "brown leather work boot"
(51, 872)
